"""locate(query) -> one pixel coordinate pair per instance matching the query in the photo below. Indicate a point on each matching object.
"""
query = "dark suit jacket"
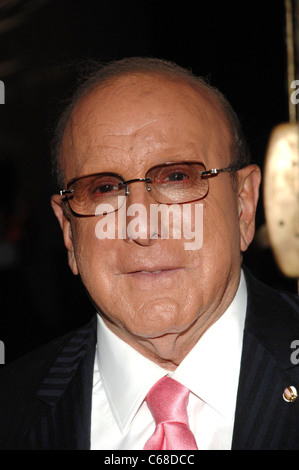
(45, 397)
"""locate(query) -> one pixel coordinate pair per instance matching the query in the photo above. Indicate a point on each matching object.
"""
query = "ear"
(65, 224)
(249, 179)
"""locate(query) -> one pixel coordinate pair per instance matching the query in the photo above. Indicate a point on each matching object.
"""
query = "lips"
(155, 270)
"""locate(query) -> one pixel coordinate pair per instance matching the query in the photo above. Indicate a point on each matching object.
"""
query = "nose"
(139, 226)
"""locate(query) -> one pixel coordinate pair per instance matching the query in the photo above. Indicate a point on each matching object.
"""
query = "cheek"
(220, 250)
(221, 220)
(92, 255)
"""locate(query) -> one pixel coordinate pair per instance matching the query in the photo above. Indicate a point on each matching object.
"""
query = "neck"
(170, 349)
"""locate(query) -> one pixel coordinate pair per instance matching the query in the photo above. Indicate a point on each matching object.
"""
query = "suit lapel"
(67, 390)
(264, 420)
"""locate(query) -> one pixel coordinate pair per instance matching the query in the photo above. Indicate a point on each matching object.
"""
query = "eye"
(176, 175)
(104, 185)
(104, 188)
(172, 174)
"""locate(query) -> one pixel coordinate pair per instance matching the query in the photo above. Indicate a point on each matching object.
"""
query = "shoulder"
(272, 318)
(264, 297)
(22, 382)
(24, 375)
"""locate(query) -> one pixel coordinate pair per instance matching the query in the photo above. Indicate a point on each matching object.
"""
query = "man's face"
(152, 290)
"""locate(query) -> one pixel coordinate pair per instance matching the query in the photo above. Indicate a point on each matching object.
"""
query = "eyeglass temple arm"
(215, 171)
(63, 192)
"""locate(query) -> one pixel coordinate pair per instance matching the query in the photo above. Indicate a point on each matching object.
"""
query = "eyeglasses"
(168, 183)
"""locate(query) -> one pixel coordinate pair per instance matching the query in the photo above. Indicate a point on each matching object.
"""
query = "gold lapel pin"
(290, 394)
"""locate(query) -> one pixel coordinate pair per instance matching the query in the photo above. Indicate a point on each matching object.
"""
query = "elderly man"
(187, 350)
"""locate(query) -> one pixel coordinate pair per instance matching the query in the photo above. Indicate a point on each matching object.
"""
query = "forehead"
(138, 119)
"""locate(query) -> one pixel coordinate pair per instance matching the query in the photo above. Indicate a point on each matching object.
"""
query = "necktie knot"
(167, 401)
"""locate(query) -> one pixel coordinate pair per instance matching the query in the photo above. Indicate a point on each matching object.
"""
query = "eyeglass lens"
(169, 183)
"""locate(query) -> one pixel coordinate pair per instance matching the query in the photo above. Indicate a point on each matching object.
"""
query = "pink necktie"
(167, 401)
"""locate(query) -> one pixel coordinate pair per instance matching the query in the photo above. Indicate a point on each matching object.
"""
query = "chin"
(156, 325)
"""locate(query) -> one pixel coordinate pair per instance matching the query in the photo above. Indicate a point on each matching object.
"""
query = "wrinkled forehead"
(141, 109)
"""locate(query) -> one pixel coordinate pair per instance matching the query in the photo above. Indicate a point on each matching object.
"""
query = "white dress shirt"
(120, 417)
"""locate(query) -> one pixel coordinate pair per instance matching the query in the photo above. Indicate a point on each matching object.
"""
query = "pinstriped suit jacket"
(45, 397)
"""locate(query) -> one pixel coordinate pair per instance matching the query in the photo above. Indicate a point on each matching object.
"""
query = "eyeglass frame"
(207, 173)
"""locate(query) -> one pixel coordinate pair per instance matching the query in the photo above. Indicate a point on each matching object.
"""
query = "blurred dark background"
(240, 46)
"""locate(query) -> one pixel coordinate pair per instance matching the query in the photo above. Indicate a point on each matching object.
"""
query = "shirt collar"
(127, 375)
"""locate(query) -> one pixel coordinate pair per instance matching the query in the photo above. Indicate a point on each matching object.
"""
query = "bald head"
(105, 75)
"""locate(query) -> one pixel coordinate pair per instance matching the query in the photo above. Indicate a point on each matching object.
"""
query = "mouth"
(154, 272)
